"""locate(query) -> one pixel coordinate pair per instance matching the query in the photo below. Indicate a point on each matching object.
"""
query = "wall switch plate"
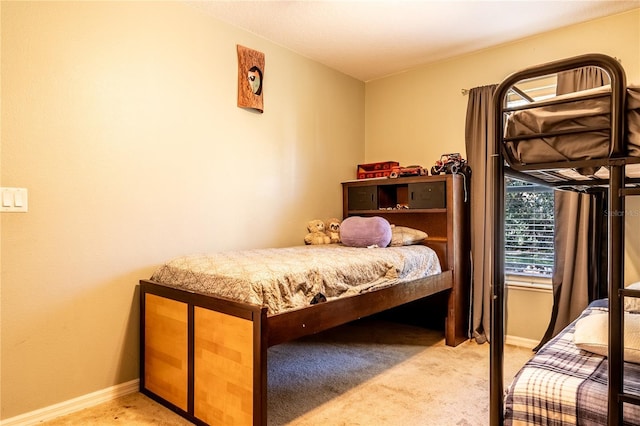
(14, 200)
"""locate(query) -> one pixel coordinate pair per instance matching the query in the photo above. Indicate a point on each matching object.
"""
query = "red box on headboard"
(376, 170)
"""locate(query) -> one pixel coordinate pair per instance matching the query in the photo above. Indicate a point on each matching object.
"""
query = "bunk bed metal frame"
(619, 186)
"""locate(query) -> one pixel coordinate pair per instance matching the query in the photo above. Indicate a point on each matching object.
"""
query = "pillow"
(591, 334)
(632, 304)
(357, 231)
(403, 236)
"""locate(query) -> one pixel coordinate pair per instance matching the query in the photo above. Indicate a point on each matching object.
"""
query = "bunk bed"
(586, 140)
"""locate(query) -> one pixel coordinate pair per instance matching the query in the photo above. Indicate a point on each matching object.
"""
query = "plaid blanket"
(564, 385)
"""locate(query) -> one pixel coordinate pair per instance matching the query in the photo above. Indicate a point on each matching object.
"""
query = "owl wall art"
(250, 78)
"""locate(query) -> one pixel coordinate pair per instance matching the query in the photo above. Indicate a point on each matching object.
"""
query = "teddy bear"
(332, 229)
(316, 233)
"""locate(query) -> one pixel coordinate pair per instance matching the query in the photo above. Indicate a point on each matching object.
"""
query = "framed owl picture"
(250, 79)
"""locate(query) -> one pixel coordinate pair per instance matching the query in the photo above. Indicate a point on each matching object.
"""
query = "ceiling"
(373, 39)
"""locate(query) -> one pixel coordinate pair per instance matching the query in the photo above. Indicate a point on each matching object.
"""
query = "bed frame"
(619, 186)
(205, 357)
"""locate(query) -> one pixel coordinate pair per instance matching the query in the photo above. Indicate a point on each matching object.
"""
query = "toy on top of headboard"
(450, 164)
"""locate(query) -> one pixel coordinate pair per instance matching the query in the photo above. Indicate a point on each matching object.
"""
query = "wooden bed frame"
(205, 357)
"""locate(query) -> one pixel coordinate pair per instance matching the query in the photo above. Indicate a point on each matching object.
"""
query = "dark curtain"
(580, 272)
(580, 79)
(476, 141)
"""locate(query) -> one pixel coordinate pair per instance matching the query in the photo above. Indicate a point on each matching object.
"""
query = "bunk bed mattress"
(583, 117)
(564, 385)
(287, 278)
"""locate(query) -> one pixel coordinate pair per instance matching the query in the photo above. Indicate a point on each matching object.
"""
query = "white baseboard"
(521, 341)
(73, 405)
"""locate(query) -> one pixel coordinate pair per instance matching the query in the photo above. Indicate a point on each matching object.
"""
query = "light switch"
(14, 200)
(7, 198)
(17, 199)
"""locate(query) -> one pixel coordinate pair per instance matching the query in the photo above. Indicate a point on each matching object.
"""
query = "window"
(528, 231)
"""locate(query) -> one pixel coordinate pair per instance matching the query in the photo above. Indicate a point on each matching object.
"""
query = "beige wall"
(528, 310)
(415, 116)
(121, 120)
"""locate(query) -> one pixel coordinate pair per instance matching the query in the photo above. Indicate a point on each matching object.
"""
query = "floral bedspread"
(287, 278)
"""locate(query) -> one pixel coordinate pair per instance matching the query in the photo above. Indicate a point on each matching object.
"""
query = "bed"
(566, 384)
(571, 127)
(204, 345)
(284, 279)
(582, 141)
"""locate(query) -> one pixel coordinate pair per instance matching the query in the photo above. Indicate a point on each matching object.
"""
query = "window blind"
(529, 231)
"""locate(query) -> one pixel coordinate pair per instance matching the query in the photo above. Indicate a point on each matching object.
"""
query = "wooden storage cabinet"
(438, 205)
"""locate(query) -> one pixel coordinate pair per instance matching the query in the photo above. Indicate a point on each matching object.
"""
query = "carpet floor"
(369, 372)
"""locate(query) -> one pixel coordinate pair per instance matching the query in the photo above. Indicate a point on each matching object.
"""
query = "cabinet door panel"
(427, 195)
(363, 198)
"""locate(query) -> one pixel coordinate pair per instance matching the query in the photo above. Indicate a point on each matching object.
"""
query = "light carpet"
(369, 372)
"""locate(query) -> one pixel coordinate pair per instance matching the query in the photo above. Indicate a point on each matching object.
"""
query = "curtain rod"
(464, 92)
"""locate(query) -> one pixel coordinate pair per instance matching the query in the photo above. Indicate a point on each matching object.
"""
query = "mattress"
(564, 385)
(586, 124)
(287, 278)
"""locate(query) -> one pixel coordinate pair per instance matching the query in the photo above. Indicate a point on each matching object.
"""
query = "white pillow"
(632, 304)
(591, 334)
(403, 236)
